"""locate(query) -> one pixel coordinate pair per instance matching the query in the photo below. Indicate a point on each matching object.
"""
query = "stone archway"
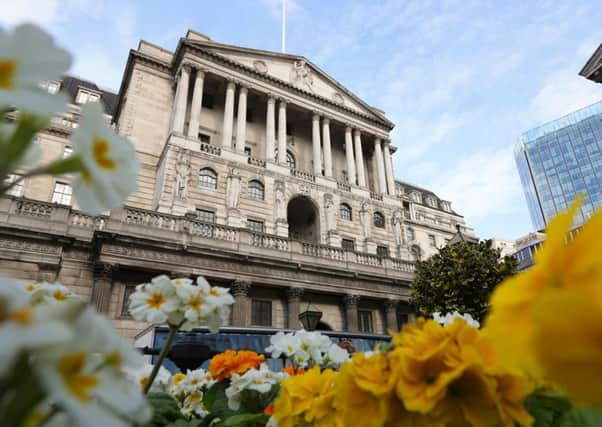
(303, 219)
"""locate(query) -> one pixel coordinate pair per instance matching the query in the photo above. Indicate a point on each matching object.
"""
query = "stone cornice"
(187, 45)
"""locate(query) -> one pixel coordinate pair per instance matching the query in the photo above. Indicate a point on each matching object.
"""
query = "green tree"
(460, 277)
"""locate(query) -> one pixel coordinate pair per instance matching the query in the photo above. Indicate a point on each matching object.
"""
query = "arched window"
(411, 234)
(379, 220)
(416, 252)
(291, 163)
(345, 212)
(255, 190)
(208, 178)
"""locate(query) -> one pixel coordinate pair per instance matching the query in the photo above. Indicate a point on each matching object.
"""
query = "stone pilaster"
(181, 100)
(327, 148)
(228, 115)
(350, 302)
(282, 132)
(270, 129)
(241, 315)
(196, 105)
(380, 167)
(293, 297)
(389, 168)
(391, 315)
(315, 140)
(359, 159)
(241, 120)
(349, 156)
(102, 287)
(47, 272)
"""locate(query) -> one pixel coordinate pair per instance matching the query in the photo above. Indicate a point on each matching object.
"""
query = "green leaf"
(216, 393)
(581, 417)
(186, 423)
(66, 165)
(165, 410)
(547, 407)
(246, 420)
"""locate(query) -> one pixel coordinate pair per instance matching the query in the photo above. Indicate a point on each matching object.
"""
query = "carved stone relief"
(279, 201)
(397, 221)
(365, 219)
(233, 189)
(260, 66)
(329, 213)
(338, 98)
(301, 77)
(182, 176)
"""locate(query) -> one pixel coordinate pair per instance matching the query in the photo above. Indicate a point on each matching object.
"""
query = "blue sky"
(461, 79)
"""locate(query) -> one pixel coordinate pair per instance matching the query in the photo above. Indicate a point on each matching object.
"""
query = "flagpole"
(283, 26)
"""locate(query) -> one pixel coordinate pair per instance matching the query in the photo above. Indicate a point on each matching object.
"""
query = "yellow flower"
(307, 399)
(365, 386)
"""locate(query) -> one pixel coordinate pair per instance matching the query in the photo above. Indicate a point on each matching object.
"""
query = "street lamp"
(310, 318)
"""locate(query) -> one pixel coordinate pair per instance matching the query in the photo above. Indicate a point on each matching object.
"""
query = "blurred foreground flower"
(526, 322)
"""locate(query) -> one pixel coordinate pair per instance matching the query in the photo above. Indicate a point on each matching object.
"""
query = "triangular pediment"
(296, 71)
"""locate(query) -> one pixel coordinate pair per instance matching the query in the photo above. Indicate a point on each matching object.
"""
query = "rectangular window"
(382, 251)
(129, 290)
(17, 189)
(205, 215)
(62, 193)
(248, 151)
(84, 97)
(53, 87)
(432, 241)
(365, 321)
(261, 312)
(204, 138)
(255, 225)
(348, 244)
(208, 101)
(67, 151)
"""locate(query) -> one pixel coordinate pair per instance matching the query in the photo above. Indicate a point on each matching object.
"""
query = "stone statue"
(301, 77)
(182, 176)
(365, 219)
(329, 213)
(279, 201)
(398, 227)
(233, 189)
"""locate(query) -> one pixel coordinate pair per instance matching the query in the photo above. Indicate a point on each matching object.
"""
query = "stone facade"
(260, 172)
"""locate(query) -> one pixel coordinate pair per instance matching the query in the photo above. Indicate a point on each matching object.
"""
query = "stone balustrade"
(343, 186)
(376, 196)
(254, 161)
(303, 175)
(65, 221)
(210, 149)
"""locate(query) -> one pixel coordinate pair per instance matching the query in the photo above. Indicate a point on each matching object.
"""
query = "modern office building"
(558, 161)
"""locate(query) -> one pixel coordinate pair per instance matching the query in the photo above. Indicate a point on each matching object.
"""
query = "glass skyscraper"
(559, 160)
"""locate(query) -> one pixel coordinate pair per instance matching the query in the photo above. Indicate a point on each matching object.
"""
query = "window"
(411, 235)
(204, 138)
(345, 212)
(250, 115)
(290, 129)
(379, 220)
(208, 178)
(205, 215)
(248, 151)
(52, 87)
(261, 312)
(255, 190)
(208, 101)
(348, 244)
(67, 151)
(255, 226)
(416, 197)
(129, 290)
(17, 189)
(291, 163)
(432, 241)
(416, 253)
(382, 251)
(84, 97)
(61, 194)
(365, 321)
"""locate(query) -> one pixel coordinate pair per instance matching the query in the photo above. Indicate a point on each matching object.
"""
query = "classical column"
(389, 168)
(102, 287)
(240, 309)
(391, 315)
(197, 103)
(241, 120)
(380, 167)
(349, 156)
(228, 115)
(315, 139)
(327, 149)
(351, 318)
(180, 100)
(359, 159)
(270, 129)
(282, 132)
(293, 296)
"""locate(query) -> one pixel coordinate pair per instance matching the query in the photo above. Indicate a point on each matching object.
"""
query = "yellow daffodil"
(28, 57)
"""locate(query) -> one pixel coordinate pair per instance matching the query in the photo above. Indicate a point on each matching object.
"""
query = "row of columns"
(321, 143)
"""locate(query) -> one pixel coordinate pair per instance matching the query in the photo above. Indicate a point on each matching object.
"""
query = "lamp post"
(310, 318)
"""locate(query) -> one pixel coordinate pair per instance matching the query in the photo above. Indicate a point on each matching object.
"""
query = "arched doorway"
(302, 216)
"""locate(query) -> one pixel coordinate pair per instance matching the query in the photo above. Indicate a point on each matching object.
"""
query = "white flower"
(336, 355)
(23, 327)
(141, 374)
(86, 377)
(154, 302)
(281, 343)
(29, 56)
(198, 379)
(449, 318)
(109, 161)
(193, 405)
(49, 293)
(260, 380)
